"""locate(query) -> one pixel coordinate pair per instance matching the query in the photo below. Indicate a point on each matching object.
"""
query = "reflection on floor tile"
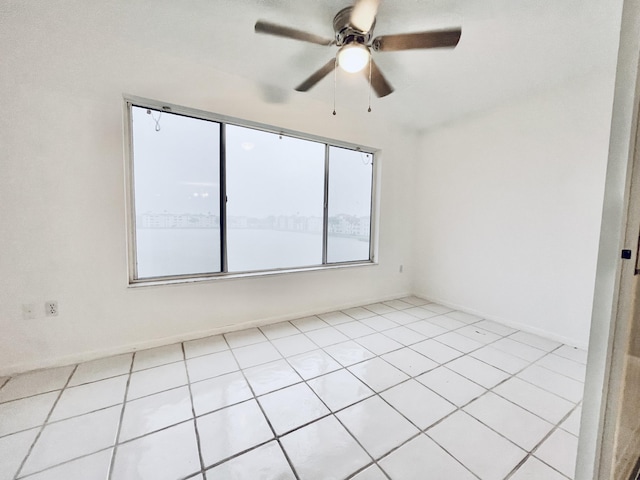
(387, 390)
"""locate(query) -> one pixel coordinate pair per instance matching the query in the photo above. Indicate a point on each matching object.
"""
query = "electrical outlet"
(51, 308)
(28, 311)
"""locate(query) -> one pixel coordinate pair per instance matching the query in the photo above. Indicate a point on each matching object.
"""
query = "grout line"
(42, 427)
(124, 403)
(193, 411)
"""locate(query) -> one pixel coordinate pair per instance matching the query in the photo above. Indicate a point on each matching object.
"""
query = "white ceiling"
(509, 48)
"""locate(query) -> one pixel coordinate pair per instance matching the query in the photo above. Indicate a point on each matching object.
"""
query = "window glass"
(275, 196)
(176, 193)
(349, 222)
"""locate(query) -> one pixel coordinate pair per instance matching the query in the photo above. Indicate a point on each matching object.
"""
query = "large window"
(213, 198)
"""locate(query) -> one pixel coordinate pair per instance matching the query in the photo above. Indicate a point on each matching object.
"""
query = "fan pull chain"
(370, 87)
(335, 83)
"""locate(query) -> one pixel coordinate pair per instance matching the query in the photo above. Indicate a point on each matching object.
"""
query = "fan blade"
(364, 14)
(317, 76)
(287, 32)
(407, 41)
(378, 82)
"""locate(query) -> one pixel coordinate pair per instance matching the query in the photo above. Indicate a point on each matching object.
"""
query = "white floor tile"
(157, 379)
(563, 366)
(205, 346)
(13, 449)
(348, 353)
(379, 343)
(307, 324)
(208, 366)
(242, 338)
(572, 423)
(436, 308)
(463, 316)
(101, 369)
(355, 329)
(34, 383)
(398, 304)
(379, 308)
(518, 349)
(499, 359)
(324, 450)
(25, 413)
(451, 386)
(478, 334)
(359, 313)
(263, 463)
(477, 371)
(475, 445)
(379, 323)
(421, 455)
(335, 318)
(279, 330)
(535, 341)
(73, 438)
(427, 328)
(401, 318)
(294, 345)
(277, 406)
(534, 469)
(560, 451)
(257, 354)
(409, 361)
(420, 313)
(419, 404)
(313, 364)
(339, 389)
(271, 376)
(572, 353)
(446, 322)
(370, 473)
(436, 351)
(521, 427)
(413, 300)
(154, 412)
(534, 399)
(404, 335)
(164, 455)
(155, 357)
(219, 392)
(326, 336)
(496, 328)
(553, 382)
(459, 342)
(232, 430)
(379, 436)
(95, 466)
(378, 374)
(90, 397)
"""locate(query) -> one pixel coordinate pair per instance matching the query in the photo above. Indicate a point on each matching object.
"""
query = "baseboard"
(508, 322)
(72, 359)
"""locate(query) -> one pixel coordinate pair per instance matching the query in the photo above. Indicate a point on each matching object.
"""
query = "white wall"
(62, 206)
(509, 205)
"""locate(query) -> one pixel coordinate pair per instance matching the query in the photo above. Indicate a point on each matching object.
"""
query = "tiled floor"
(401, 390)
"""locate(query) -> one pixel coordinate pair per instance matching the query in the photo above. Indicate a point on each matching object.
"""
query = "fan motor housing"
(346, 33)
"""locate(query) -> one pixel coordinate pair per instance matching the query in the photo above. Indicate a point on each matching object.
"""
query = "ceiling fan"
(353, 28)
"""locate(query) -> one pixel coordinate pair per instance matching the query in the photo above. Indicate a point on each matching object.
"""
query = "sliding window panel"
(275, 196)
(349, 222)
(176, 170)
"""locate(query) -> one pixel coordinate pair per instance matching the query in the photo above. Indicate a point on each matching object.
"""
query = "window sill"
(234, 276)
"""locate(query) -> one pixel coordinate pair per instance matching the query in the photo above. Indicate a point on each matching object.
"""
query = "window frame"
(224, 120)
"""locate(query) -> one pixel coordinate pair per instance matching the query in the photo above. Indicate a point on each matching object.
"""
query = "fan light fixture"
(353, 57)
